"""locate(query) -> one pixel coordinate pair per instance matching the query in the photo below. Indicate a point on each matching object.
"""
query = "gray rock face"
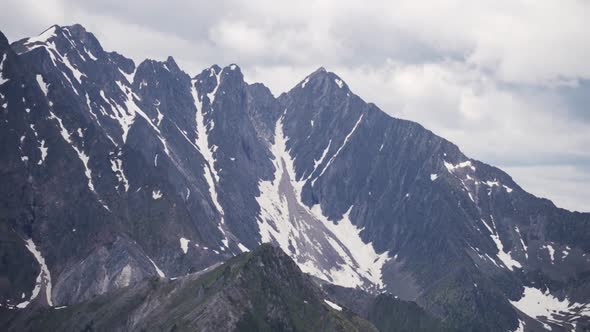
(259, 291)
(112, 173)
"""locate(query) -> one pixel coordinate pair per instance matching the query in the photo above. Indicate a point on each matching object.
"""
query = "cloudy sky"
(508, 81)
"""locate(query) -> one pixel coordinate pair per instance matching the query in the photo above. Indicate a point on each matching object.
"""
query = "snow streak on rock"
(42, 84)
(2, 79)
(117, 168)
(158, 271)
(505, 258)
(333, 251)
(346, 139)
(81, 155)
(43, 281)
(333, 305)
(202, 143)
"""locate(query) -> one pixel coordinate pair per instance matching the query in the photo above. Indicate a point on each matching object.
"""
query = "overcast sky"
(507, 81)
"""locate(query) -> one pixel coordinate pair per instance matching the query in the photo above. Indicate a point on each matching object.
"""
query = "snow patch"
(44, 277)
(504, 257)
(157, 194)
(184, 244)
(538, 304)
(90, 55)
(307, 235)
(75, 72)
(433, 177)
(242, 247)
(117, 168)
(565, 253)
(2, 80)
(212, 94)
(160, 273)
(451, 168)
(551, 251)
(43, 37)
(368, 262)
(524, 247)
(492, 183)
(43, 150)
(305, 82)
(42, 84)
(333, 305)
(339, 83)
(129, 77)
(520, 327)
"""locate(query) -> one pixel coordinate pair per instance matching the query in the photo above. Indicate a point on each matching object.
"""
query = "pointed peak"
(126, 64)
(171, 64)
(318, 71)
(233, 67)
(232, 70)
(213, 70)
(75, 29)
(67, 37)
(322, 77)
(44, 36)
(154, 66)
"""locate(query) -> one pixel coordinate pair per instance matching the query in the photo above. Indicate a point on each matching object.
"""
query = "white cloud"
(240, 37)
(566, 185)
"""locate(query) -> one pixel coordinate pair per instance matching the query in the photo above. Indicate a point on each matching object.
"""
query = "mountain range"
(122, 183)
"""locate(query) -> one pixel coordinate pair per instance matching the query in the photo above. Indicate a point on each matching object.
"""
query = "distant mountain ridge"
(114, 173)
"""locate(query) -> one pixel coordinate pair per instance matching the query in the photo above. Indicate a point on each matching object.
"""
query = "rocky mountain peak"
(322, 80)
(214, 78)
(171, 64)
(63, 38)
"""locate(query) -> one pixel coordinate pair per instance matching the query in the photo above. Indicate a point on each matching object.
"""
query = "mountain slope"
(387, 312)
(451, 224)
(114, 173)
(259, 291)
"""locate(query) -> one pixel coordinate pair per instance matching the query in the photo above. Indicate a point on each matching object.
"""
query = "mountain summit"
(114, 174)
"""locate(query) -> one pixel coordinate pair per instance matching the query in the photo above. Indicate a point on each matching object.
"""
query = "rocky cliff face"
(259, 291)
(113, 173)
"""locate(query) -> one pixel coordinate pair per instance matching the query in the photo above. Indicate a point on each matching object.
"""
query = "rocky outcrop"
(259, 291)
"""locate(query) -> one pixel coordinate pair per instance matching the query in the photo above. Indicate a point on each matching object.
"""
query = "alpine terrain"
(122, 183)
